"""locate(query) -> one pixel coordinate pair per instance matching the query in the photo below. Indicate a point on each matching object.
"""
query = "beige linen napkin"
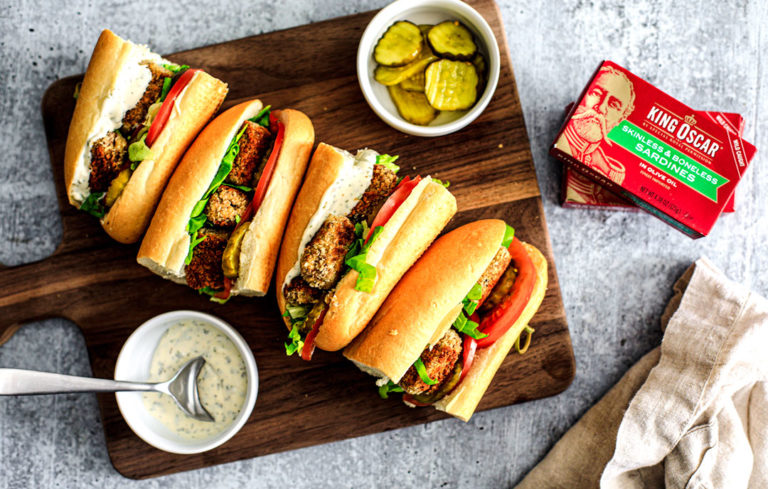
(692, 413)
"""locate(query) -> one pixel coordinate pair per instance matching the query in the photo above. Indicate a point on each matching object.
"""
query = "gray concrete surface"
(616, 269)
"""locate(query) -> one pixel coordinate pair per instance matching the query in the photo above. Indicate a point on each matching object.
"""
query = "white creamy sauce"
(222, 382)
(131, 82)
(339, 199)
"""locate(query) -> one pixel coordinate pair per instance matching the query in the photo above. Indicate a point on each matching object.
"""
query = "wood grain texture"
(96, 283)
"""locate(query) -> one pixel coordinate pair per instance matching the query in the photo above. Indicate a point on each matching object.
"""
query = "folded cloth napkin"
(692, 413)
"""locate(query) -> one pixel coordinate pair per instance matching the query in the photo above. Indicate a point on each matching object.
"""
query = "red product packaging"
(679, 164)
(579, 191)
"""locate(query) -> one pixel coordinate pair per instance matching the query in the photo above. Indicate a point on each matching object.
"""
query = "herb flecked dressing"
(222, 382)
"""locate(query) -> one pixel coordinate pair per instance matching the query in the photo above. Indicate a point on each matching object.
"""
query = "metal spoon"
(182, 387)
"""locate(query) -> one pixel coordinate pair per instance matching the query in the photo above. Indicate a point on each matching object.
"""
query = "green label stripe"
(682, 168)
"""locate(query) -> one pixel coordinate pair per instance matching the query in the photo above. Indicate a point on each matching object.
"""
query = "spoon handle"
(25, 382)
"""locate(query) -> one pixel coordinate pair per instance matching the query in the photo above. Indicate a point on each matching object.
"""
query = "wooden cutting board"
(97, 284)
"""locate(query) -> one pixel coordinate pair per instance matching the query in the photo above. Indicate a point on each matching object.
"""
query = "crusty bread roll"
(427, 294)
(166, 243)
(463, 401)
(113, 84)
(405, 237)
(427, 301)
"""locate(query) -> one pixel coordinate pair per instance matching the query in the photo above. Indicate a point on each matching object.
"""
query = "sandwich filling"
(118, 141)
(441, 367)
(349, 219)
(222, 216)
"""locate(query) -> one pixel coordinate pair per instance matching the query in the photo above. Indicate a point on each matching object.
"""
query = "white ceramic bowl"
(133, 364)
(425, 12)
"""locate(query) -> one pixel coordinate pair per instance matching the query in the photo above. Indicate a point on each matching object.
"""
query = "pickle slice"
(230, 260)
(412, 106)
(451, 85)
(117, 186)
(482, 71)
(415, 83)
(392, 76)
(400, 45)
(450, 39)
(313, 316)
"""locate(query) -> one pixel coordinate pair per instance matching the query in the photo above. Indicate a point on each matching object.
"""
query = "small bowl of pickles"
(428, 67)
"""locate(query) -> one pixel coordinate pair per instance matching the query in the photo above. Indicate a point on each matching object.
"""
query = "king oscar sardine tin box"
(578, 191)
(666, 158)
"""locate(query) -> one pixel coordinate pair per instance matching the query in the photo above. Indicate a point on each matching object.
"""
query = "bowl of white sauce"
(228, 383)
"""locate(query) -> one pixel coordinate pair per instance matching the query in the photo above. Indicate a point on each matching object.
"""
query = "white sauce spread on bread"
(339, 199)
(130, 83)
(222, 382)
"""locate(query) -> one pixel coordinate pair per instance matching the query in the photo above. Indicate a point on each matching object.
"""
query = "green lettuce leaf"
(361, 231)
(471, 300)
(262, 118)
(195, 240)
(388, 161)
(221, 174)
(445, 184)
(167, 82)
(366, 277)
(199, 207)
(226, 164)
(467, 326)
(94, 205)
(462, 323)
(138, 151)
(174, 68)
(297, 314)
(390, 386)
(296, 342)
(197, 219)
(196, 223)
(422, 371)
(357, 254)
(211, 292)
(509, 235)
(242, 188)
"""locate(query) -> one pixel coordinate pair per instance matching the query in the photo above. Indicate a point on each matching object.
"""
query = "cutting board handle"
(34, 291)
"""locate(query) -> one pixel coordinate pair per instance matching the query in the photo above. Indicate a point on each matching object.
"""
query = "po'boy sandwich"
(450, 322)
(219, 223)
(135, 115)
(355, 229)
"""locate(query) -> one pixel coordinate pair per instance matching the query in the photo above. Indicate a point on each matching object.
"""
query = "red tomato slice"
(266, 175)
(468, 354)
(269, 168)
(403, 190)
(165, 110)
(224, 294)
(309, 342)
(504, 315)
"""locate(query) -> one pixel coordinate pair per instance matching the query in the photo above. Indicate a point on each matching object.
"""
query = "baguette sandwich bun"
(166, 246)
(116, 79)
(405, 236)
(426, 302)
